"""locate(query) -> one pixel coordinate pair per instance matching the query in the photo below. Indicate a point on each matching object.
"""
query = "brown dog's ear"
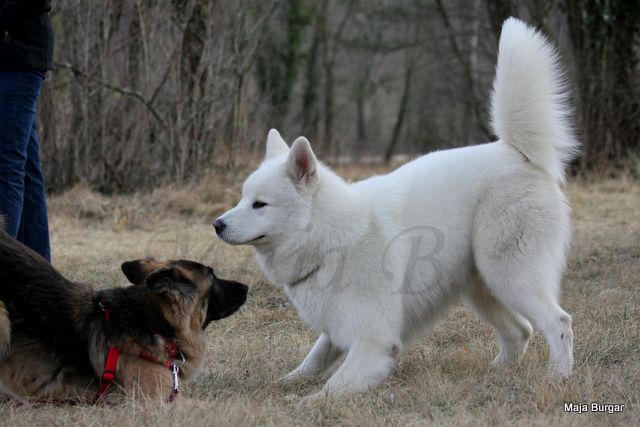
(138, 269)
(169, 280)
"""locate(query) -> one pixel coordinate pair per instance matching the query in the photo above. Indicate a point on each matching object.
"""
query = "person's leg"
(19, 92)
(34, 227)
(15, 129)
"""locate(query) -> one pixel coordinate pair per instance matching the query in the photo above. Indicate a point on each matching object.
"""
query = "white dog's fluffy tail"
(530, 107)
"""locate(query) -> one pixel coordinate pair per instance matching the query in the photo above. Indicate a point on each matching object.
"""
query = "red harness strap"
(113, 354)
(109, 373)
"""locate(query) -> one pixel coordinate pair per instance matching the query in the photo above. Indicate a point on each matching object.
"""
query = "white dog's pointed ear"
(275, 144)
(301, 162)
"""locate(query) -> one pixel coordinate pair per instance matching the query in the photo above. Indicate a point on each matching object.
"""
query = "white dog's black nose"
(219, 225)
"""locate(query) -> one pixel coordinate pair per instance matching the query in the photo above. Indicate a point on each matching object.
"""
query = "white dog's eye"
(259, 204)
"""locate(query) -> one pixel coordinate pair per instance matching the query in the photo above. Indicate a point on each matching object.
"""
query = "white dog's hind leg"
(527, 294)
(513, 330)
(321, 357)
(366, 364)
(555, 325)
(520, 236)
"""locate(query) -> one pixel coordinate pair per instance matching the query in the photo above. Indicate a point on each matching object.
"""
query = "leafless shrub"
(150, 92)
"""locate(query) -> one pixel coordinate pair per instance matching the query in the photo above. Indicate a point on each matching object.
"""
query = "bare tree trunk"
(402, 110)
(466, 68)
(329, 43)
(470, 119)
(310, 97)
(327, 66)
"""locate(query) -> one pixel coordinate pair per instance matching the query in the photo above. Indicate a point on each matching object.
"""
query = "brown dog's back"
(37, 299)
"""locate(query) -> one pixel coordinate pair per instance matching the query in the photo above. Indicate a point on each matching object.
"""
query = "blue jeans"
(22, 192)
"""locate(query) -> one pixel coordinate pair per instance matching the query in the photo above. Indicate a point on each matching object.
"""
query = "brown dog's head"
(192, 286)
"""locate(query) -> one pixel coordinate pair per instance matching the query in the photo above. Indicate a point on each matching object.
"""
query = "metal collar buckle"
(175, 371)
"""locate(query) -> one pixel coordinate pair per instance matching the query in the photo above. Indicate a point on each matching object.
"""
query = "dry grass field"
(444, 379)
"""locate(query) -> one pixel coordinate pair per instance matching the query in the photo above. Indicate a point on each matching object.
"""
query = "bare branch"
(123, 91)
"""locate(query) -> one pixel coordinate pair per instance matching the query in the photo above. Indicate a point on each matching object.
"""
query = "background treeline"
(155, 91)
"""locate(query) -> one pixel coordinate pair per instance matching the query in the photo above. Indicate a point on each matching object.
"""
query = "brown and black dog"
(57, 336)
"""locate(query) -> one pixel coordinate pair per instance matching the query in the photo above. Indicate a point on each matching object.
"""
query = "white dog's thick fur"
(370, 264)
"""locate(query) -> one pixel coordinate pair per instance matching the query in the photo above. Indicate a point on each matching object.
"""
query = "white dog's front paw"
(315, 399)
(503, 359)
(295, 375)
(289, 378)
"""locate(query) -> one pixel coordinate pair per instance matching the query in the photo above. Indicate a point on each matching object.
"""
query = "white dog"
(368, 265)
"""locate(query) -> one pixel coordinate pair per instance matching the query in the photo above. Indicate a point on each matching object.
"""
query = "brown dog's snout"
(226, 300)
(238, 293)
